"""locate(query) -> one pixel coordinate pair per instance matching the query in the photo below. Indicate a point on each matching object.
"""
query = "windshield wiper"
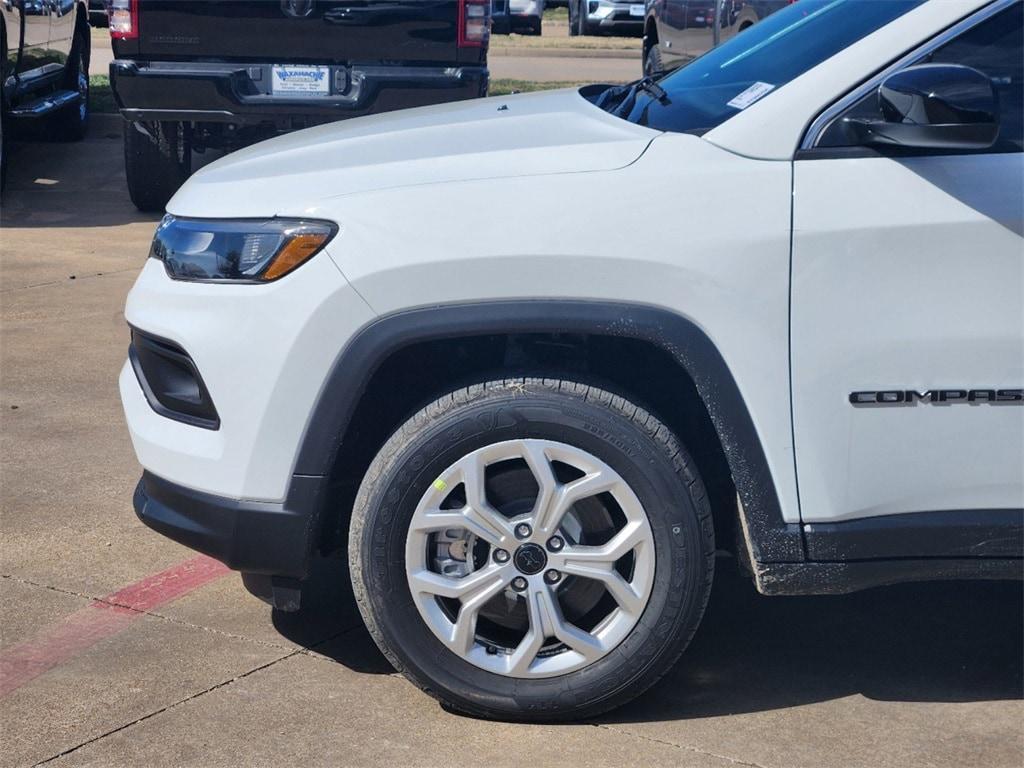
(620, 99)
(650, 87)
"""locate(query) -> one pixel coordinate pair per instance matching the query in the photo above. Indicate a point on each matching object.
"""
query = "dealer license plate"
(300, 80)
(637, 9)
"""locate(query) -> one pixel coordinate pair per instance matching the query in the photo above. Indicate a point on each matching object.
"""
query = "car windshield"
(712, 88)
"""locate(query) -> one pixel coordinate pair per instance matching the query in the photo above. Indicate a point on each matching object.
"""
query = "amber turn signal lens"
(295, 251)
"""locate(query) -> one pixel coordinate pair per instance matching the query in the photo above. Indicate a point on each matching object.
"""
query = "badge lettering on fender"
(905, 397)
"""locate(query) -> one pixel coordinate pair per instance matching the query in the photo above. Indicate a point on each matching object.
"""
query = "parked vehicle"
(527, 16)
(612, 17)
(501, 20)
(190, 75)
(98, 13)
(804, 349)
(677, 31)
(44, 68)
(739, 15)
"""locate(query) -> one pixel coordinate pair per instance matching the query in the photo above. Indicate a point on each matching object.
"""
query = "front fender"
(770, 537)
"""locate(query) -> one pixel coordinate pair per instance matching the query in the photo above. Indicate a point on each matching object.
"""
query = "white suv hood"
(523, 135)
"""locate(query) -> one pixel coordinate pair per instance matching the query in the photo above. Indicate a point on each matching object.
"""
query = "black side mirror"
(932, 106)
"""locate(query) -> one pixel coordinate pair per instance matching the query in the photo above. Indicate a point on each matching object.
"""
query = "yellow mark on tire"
(440, 484)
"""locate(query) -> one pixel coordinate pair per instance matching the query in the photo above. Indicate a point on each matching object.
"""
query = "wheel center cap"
(530, 559)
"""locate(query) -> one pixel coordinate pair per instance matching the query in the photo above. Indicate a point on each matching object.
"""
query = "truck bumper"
(240, 93)
(275, 539)
(620, 26)
(614, 17)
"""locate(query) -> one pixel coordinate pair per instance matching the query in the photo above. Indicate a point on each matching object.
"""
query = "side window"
(994, 47)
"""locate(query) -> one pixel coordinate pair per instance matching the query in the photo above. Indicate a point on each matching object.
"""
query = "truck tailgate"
(412, 31)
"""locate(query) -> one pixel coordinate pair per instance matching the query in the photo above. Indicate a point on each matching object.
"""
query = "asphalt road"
(119, 647)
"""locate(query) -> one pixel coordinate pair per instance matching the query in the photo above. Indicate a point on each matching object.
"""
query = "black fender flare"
(769, 537)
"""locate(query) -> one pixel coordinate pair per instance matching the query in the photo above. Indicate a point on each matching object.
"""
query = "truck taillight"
(474, 23)
(124, 19)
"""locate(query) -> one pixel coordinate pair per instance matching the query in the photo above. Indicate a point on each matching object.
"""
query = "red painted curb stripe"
(101, 619)
(163, 587)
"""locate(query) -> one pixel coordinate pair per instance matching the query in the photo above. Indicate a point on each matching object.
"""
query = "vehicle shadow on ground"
(936, 642)
(68, 184)
(329, 621)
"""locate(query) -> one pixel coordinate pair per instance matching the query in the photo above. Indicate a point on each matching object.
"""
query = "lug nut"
(501, 556)
(552, 576)
(519, 584)
(555, 544)
(523, 531)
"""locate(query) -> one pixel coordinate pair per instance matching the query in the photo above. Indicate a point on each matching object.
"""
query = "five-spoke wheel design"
(530, 558)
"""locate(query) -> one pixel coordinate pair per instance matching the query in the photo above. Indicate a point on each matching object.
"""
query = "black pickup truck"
(191, 75)
(44, 67)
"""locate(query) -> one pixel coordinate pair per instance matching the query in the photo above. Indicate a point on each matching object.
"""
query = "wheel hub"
(487, 588)
(530, 559)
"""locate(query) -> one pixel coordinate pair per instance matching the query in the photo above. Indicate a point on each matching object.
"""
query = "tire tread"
(661, 435)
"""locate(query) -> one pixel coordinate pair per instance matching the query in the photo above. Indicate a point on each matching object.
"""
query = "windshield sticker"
(752, 94)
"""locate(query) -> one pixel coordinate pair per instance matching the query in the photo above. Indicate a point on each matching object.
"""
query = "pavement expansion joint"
(191, 697)
(685, 747)
(70, 278)
(161, 710)
(177, 621)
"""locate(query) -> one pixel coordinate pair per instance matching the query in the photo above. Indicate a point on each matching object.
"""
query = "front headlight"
(240, 250)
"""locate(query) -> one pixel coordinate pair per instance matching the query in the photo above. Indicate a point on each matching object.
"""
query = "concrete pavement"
(202, 674)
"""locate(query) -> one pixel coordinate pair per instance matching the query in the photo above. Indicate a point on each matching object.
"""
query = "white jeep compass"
(806, 347)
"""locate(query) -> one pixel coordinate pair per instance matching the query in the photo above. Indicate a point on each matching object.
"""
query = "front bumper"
(615, 16)
(628, 25)
(257, 537)
(261, 351)
(240, 93)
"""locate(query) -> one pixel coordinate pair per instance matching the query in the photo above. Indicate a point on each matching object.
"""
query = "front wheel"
(3, 148)
(574, 29)
(652, 61)
(582, 27)
(532, 550)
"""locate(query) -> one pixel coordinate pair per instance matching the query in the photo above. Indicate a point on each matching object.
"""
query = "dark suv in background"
(192, 75)
(44, 69)
(676, 31)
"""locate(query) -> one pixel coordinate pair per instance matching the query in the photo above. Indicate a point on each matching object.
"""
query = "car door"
(700, 34)
(62, 28)
(671, 16)
(35, 55)
(907, 311)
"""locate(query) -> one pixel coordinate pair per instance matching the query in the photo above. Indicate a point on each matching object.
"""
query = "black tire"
(3, 111)
(536, 26)
(72, 122)
(3, 149)
(628, 439)
(157, 160)
(582, 27)
(574, 29)
(652, 60)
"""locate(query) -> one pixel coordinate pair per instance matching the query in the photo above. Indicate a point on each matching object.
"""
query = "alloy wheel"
(530, 558)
